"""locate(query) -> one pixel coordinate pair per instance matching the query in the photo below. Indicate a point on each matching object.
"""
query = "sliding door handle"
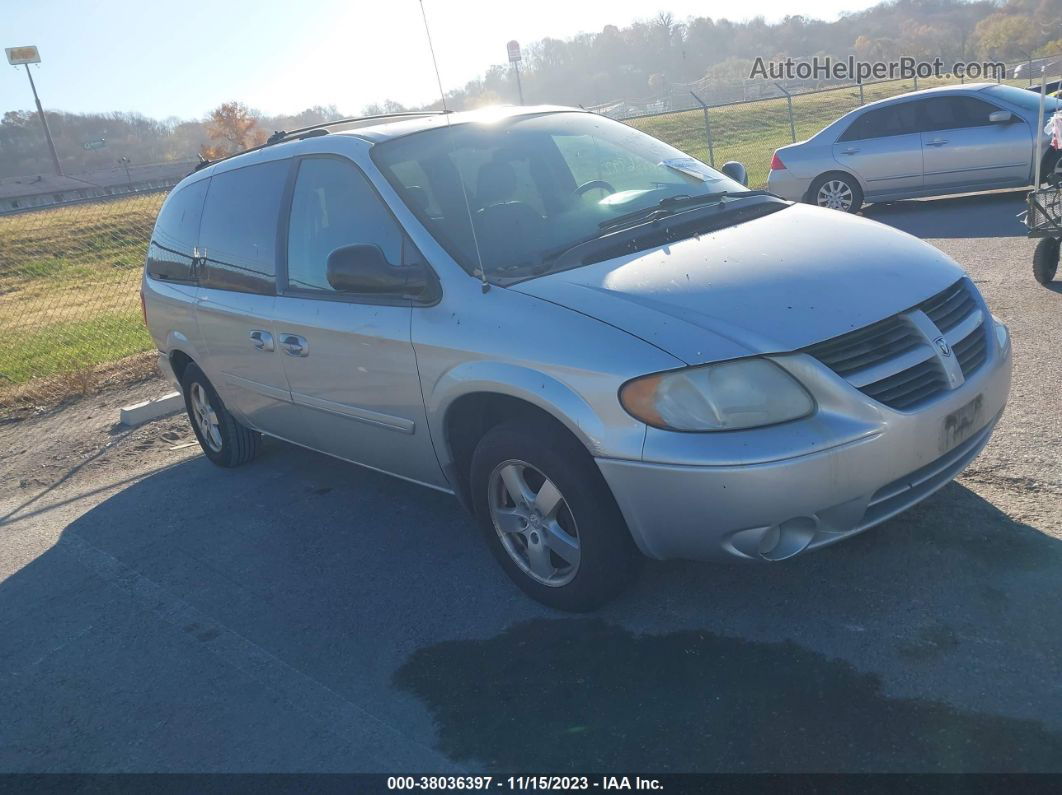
(262, 340)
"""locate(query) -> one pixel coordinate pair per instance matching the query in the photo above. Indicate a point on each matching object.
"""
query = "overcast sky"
(183, 58)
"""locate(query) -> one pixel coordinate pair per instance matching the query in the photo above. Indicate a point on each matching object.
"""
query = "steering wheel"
(594, 184)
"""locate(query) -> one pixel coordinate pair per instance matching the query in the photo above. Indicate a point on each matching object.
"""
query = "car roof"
(386, 129)
(374, 130)
(960, 88)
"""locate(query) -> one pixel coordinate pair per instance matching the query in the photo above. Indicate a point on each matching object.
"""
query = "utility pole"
(24, 56)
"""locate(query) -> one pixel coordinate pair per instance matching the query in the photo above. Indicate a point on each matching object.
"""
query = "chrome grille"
(899, 361)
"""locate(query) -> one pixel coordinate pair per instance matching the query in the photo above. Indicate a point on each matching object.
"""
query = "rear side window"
(238, 235)
(172, 247)
(883, 123)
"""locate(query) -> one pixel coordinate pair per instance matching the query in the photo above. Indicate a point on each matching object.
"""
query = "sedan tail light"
(776, 163)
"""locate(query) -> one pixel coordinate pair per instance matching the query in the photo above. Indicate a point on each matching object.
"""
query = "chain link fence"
(69, 299)
(69, 276)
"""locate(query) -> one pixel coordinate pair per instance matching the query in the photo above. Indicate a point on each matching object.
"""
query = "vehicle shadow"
(203, 619)
(980, 215)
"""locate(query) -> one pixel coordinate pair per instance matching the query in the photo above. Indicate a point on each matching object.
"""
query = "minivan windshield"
(1023, 98)
(534, 186)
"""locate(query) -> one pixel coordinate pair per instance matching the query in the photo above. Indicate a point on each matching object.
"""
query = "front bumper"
(776, 509)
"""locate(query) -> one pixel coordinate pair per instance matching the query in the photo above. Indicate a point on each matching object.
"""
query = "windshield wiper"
(672, 204)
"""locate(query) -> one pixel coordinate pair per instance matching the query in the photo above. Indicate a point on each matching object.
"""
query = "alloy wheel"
(835, 194)
(205, 417)
(534, 523)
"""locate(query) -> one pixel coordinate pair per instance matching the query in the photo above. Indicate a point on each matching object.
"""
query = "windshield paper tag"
(691, 167)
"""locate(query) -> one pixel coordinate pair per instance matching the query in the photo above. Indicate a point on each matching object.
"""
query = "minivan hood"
(774, 284)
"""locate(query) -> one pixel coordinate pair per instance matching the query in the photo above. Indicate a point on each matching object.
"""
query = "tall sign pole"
(24, 56)
(514, 59)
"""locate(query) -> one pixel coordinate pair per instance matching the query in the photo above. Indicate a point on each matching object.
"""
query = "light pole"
(24, 56)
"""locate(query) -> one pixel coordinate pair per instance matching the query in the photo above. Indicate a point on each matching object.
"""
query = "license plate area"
(962, 423)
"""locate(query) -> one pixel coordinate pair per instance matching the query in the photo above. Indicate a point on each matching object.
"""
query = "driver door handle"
(850, 150)
(294, 345)
(937, 142)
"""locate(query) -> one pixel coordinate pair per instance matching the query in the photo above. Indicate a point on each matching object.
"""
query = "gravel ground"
(301, 614)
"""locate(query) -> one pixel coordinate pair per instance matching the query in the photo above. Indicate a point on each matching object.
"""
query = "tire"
(605, 558)
(848, 196)
(224, 441)
(1045, 260)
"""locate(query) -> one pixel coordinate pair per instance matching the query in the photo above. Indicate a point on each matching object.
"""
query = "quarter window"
(238, 236)
(333, 206)
(172, 247)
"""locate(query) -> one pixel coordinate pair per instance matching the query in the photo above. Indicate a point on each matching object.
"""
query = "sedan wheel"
(534, 523)
(835, 194)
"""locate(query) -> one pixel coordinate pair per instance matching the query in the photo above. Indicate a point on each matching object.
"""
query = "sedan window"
(949, 113)
(883, 123)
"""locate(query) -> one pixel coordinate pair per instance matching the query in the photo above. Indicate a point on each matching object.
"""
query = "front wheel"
(837, 192)
(1045, 260)
(549, 517)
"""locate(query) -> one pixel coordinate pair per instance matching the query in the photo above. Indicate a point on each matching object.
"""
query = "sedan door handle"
(294, 345)
(937, 142)
(850, 150)
(262, 340)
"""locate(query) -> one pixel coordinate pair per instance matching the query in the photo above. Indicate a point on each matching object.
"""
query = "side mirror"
(736, 171)
(1000, 116)
(365, 269)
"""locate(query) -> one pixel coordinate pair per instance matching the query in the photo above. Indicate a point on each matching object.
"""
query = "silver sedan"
(955, 139)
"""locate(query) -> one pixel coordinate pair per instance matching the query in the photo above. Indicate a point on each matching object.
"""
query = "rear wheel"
(837, 191)
(224, 440)
(1045, 260)
(549, 517)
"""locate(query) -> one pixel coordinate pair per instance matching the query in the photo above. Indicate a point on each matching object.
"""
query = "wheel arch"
(469, 401)
(842, 172)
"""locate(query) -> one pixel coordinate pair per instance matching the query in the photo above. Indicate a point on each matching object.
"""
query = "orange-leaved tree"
(232, 128)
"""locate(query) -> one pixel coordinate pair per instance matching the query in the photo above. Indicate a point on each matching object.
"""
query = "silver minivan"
(602, 347)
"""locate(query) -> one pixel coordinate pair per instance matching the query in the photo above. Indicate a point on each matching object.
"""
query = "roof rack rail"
(279, 136)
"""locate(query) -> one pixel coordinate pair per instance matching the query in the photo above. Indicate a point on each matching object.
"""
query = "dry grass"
(44, 394)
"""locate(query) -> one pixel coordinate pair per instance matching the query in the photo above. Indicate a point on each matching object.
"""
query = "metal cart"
(1044, 220)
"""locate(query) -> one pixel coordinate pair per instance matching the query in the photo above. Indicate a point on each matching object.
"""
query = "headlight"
(746, 393)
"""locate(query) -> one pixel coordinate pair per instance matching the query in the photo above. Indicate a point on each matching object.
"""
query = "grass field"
(69, 282)
(69, 276)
